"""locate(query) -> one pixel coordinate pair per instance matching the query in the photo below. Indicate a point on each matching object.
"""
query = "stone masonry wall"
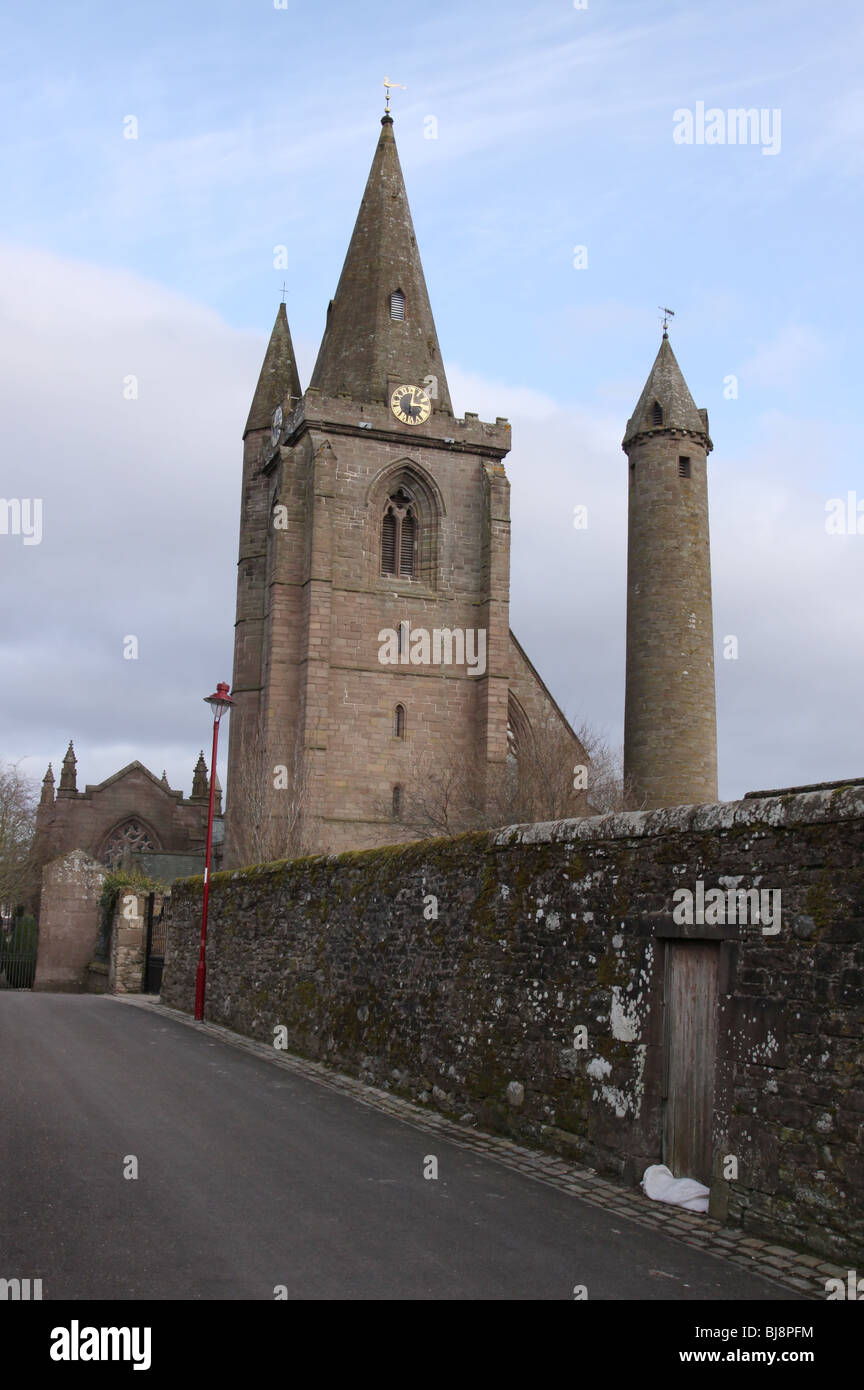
(670, 737)
(462, 973)
(68, 921)
(128, 952)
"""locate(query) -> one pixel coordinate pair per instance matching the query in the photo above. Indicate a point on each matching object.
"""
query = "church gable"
(132, 810)
(135, 774)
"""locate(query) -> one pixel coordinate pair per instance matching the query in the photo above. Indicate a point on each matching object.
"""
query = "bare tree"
(607, 789)
(19, 872)
(552, 772)
(545, 776)
(272, 796)
(441, 795)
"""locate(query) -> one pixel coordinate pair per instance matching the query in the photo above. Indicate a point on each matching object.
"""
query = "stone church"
(132, 820)
(372, 637)
(131, 812)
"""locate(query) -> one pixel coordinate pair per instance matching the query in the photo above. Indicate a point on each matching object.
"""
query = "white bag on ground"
(659, 1184)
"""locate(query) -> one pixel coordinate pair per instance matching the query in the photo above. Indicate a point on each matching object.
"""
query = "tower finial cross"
(387, 85)
(667, 315)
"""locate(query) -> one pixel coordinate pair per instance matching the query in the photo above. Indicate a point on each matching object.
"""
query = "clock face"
(276, 427)
(411, 405)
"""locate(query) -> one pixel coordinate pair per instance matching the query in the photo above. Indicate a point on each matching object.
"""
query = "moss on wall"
(535, 938)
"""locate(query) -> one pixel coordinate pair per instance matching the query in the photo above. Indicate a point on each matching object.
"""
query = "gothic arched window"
(399, 536)
(657, 414)
(132, 835)
(404, 520)
(399, 721)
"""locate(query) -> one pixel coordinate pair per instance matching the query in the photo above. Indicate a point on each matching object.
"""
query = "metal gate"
(692, 990)
(157, 928)
(18, 942)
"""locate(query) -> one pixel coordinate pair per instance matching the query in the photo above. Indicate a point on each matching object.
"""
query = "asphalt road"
(250, 1177)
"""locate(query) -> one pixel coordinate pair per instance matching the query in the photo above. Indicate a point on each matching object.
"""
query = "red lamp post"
(219, 703)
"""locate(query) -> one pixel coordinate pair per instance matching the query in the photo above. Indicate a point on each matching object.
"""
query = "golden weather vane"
(387, 85)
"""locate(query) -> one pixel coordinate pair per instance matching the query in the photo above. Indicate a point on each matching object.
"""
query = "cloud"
(141, 509)
(140, 502)
(784, 361)
(490, 399)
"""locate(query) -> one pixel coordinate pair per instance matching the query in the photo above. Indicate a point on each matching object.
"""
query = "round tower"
(670, 727)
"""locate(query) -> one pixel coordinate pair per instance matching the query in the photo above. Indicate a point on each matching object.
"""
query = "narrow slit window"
(399, 721)
(683, 467)
(397, 305)
(657, 414)
(397, 802)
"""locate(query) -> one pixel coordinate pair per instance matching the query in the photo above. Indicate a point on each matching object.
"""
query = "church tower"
(372, 641)
(670, 739)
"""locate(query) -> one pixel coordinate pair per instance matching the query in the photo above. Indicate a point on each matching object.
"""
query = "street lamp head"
(220, 701)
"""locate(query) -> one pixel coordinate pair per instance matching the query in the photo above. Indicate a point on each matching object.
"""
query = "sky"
(154, 161)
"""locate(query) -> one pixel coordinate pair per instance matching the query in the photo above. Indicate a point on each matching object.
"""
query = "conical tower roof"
(364, 348)
(667, 389)
(278, 377)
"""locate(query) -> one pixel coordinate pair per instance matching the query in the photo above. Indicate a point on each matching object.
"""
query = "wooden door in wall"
(690, 1054)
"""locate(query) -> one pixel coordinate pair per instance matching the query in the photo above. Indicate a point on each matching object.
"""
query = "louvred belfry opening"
(406, 545)
(388, 545)
(399, 536)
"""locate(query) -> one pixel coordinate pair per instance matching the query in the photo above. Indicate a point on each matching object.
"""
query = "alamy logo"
(845, 515)
(854, 1288)
(719, 907)
(737, 126)
(21, 516)
(444, 646)
(78, 1343)
(19, 1290)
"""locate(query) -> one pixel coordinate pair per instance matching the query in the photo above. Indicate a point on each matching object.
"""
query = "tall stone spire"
(670, 738)
(278, 379)
(47, 797)
(200, 785)
(368, 347)
(68, 786)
